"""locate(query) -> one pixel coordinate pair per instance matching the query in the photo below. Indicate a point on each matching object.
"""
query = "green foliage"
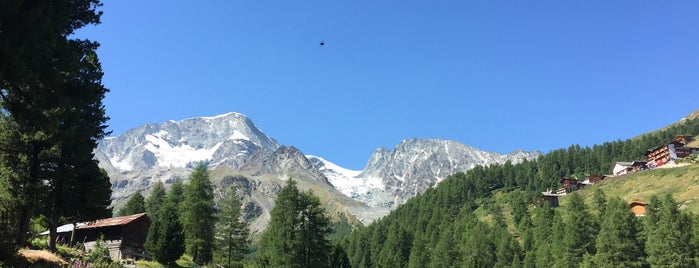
(505, 195)
(232, 234)
(135, 205)
(668, 238)
(155, 200)
(297, 232)
(98, 254)
(165, 241)
(617, 244)
(149, 264)
(52, 113)
(199, 216)
(580, 232)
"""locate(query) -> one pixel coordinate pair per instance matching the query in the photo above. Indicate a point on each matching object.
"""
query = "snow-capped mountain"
(243, 159)
(392, 177)
(229, 137)
(240, 157)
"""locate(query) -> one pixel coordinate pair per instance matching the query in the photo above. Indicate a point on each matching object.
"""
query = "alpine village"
(623, 203)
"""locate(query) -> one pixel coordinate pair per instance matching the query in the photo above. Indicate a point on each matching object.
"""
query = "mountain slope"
(392, 177)
(242, 156)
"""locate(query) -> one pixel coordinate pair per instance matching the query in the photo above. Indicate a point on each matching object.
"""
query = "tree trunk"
(53, 224)
(23, 226)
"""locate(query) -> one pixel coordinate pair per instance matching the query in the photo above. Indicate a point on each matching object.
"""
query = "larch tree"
(580, 232)
(297, 232)
(136, 204)
(166, 241)
(155, 200)
(199, 216)
(668, 242)
(617, 244)
(232, 233)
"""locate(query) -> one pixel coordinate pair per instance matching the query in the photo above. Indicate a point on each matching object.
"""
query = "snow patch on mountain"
(346, 181)
(177, 156)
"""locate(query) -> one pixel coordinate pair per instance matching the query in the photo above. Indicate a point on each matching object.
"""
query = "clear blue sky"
(496, 75)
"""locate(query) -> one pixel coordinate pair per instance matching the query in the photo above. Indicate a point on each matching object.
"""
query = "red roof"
(123, 220)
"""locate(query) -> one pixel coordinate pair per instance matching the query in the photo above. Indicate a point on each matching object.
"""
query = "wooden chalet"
(680, 147)
(124, 236)
(594, 178)
(570, 184)
(638, 208)
(623, 168)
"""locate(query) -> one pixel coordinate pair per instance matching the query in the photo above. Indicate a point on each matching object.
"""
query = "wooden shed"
(638, 208)
(124, 236)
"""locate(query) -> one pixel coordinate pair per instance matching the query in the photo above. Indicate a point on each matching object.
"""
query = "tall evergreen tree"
(580, 231)
(297, 232)
(617, 244)
(176, 193)
(669, 236)
(135, 205)
(232, 230)
(155, 200)
(165, 241)
(51, 100)
(199, 216)
(154, 205)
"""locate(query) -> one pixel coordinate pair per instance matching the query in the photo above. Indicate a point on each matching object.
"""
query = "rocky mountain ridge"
(391, 177)
(243, 159)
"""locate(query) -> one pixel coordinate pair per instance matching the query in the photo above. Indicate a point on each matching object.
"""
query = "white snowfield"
(348, 181)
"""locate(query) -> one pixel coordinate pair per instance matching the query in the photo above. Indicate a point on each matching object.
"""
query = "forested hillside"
(492, 217)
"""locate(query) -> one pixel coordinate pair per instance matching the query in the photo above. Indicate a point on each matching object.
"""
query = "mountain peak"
(184, 143)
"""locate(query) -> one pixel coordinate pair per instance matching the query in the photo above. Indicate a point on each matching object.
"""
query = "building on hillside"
(595, 178)
(552, 197)
(569, 184)
(638, 208)
(680, 147)
(123, 236)
(623, 168)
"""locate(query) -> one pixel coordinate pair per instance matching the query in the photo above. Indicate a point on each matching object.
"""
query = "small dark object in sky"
(322, 43)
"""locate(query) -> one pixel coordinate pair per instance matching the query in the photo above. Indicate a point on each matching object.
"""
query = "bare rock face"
(245, 162)
(242, 161)
(411, 168)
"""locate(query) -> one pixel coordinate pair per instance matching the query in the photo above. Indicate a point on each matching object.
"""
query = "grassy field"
(681, 181)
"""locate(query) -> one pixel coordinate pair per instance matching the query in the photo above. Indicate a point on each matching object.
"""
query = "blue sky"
(496, 75)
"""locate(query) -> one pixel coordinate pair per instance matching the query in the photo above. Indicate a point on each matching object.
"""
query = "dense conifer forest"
(492, 217)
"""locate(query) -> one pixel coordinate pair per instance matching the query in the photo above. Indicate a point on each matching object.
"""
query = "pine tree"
(165, 241)
(617, 244)
(199, 215)
(52, 113)
(669, 236)
(297, 232)
(232, 231)
(155, 200)
(135, 205)
(580, 231)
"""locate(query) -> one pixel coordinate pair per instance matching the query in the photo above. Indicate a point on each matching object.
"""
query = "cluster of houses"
(680, 147)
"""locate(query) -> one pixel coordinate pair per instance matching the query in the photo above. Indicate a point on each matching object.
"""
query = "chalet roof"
(112, 221)
(64, 228)
(633, 163)
(637, 203)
